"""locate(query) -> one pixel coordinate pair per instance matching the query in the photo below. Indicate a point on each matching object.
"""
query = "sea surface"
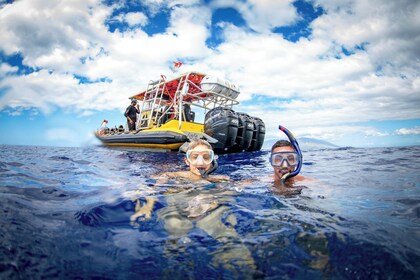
(67, 213)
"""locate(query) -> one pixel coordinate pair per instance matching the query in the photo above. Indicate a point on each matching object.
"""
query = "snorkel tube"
(295, 145)
(205, 173)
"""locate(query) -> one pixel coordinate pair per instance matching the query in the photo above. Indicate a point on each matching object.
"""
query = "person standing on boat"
(103, 128)
(131, 114)
(188, 115)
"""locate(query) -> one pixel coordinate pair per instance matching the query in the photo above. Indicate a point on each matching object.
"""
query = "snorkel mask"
(203, 157)
(292, 158)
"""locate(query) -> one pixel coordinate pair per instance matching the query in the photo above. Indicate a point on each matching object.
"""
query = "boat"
(169, 111)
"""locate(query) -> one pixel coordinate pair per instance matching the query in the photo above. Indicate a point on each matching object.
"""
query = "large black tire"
(245, 132)
(221, 124)
(258, 135)
(261, 134)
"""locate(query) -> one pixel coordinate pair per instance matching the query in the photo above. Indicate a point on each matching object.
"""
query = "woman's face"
(199, 158)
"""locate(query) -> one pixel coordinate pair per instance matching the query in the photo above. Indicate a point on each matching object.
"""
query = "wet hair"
(282, 143)
(198, 142)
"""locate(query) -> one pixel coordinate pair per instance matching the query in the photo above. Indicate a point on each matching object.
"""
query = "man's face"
(279, 171)
(198, 158)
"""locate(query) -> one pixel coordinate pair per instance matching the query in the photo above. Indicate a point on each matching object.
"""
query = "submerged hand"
(144, 211)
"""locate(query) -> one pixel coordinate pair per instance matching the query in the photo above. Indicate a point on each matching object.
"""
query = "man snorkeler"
(286, 159)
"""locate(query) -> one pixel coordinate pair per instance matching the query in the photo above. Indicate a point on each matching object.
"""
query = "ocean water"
(68, 213)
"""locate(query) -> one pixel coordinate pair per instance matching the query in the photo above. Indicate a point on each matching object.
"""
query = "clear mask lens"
(200, 157)
(290, 158)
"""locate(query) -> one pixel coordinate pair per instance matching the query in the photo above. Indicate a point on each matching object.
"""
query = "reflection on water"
(206, 209)
(81, 213)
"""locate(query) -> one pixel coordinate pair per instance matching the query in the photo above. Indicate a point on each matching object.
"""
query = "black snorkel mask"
(205, 173)
(295, 145)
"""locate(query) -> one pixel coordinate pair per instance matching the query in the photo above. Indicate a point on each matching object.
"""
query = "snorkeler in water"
(199, 199)
(286, 159)
(201, 161)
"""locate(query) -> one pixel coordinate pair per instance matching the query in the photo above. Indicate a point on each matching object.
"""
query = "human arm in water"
(163, 178)
(145, 209)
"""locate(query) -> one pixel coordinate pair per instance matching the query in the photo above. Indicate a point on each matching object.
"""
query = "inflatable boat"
(167, 118)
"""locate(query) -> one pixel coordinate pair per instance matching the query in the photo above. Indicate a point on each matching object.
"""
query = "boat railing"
(151, 104)
(156, 110)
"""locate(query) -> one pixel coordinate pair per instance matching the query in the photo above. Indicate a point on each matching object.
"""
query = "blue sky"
(342, 71)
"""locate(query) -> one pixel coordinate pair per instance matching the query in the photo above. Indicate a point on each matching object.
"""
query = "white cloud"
(48, 91)
(262, 15)
(6, 69)
(374, 132)
(332, 133)
(60, 134)
(87, 113)
(408, 131)
(156, 6)
(17, 112)
(53, 34)
(327, 87)
(389, 29)
(136, 19)
(129, 59)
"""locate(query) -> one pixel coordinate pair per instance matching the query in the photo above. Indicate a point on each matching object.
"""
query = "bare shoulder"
(218, 178)
(302, 178)
(170, 175)
(297, 178)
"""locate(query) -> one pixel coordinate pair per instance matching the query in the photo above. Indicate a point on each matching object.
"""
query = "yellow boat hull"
(169, 136)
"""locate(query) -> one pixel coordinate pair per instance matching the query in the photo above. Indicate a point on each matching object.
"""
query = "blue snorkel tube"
(295, 145)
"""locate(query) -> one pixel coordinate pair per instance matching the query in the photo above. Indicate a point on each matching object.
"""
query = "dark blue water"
(65, 213)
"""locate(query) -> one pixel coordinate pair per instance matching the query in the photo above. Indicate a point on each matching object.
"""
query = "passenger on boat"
(131, 114)
(188, 115)
(103, 128)
(166, 99)
(167, 114)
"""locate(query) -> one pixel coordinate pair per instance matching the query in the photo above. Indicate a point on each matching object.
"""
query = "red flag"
(176, 66)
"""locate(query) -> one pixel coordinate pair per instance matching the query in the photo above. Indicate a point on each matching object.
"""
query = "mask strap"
(297, 149)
